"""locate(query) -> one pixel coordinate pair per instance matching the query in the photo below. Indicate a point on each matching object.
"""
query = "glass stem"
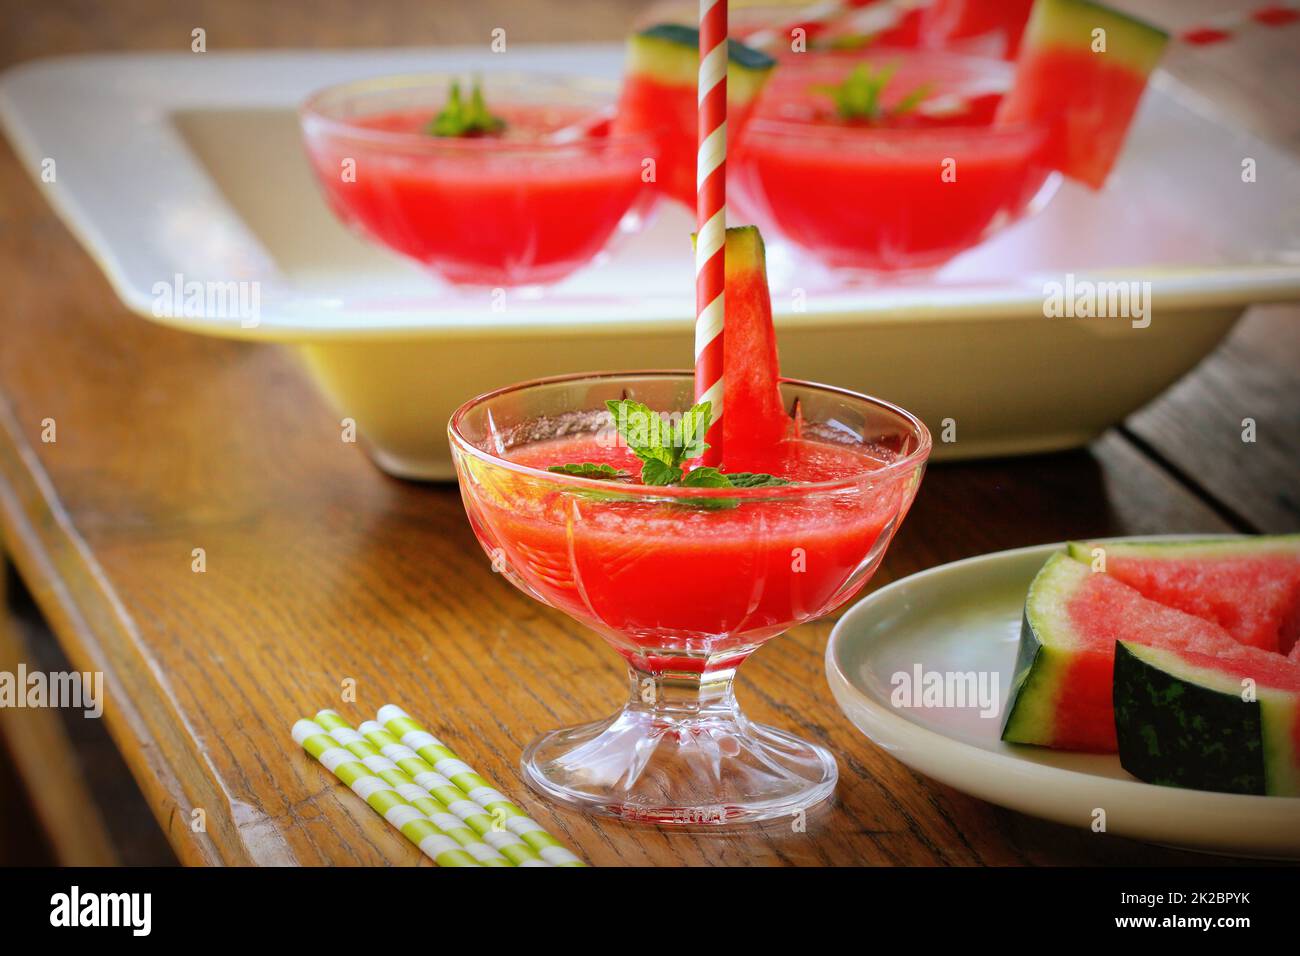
(676, 696)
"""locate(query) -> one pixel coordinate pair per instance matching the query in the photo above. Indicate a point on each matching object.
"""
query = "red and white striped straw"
(711, 218)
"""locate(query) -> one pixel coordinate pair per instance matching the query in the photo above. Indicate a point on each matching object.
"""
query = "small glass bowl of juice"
(685, 583)
(924, 177)
(522, 206)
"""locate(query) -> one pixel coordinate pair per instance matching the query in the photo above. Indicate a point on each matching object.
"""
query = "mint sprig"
(705, 477)
(461, 119)
(590, 469)
(858, 96)
(749, 479)
(664, 446)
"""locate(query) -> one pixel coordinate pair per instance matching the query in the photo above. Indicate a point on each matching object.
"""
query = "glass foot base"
(707, 769)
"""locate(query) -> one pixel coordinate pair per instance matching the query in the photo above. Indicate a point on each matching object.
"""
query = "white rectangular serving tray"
(189, 165)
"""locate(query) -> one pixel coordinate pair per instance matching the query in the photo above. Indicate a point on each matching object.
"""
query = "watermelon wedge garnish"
(1250, 587)
(1086, 92)
(754, 417)
(1185, 719)
(659, 96)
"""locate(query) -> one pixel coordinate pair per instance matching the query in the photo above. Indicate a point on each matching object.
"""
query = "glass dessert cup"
(683, 582)
(526, 207)
(905, 194)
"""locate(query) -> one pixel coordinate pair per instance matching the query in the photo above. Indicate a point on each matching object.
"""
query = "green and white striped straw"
(381, 797)
(446, 792)
(402, 726)
(417, 796)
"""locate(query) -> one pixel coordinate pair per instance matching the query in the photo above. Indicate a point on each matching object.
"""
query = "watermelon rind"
(746, 250)
(669, 53)
(1281, 714)
(1189, 548)
(1131, 42)
(1042, 661)
(1182, 724)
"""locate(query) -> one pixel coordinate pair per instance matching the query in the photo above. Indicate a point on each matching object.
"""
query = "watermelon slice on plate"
(1249, 586)
(659, 96)
(1082, 68)
(754, 417)
(1190, 720)
(1061, 688)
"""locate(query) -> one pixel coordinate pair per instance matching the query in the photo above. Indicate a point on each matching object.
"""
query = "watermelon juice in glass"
(684, 581)
(889, 161)
(526, 196)
(589, 493)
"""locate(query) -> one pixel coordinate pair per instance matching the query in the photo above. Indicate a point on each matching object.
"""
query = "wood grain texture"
(1233, 426)
(321, 571)
(42, 754)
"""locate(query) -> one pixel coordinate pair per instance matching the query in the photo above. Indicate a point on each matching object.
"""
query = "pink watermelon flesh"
(1087, 129)
(1103, 611)
(1255, 601)
(1255, 597)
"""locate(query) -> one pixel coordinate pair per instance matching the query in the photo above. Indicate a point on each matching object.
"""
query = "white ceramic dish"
(190, 165)
(964, 617)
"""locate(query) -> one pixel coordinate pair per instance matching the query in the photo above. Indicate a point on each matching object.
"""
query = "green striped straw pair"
(418, 796)
(453, 799)
(450, 813)
(382, 798)
(440, 760)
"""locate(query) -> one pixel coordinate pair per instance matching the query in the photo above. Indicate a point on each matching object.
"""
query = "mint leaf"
(706, 478)
(589, 469)
(858, 96)
(663, 448)
(656, 472)
(911, 101)
(691, 430)
(641, 429)
(652, 438)
(461, 119)
(749, 479)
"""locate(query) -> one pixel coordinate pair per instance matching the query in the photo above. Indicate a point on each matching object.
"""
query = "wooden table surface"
(322, 571)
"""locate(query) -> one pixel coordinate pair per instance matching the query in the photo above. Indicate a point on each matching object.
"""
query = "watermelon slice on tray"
(1249, 587)
(659, 96)
(1190, 720)
(1082, 68)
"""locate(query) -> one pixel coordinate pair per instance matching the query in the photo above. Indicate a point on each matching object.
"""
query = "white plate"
(190, 165)
(966, 616)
